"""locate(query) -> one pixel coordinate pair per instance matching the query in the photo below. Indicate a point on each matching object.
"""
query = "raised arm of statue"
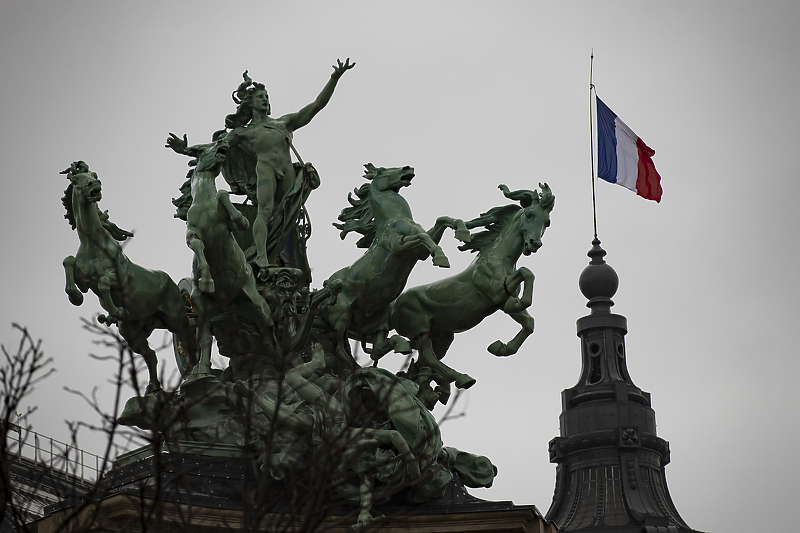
(524, 197)
(181, 146)
(297, 120)
(178, 145)
(298, 379)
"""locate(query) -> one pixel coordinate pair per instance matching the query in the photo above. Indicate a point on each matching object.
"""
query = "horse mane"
(358, 217)
(493, 221)
(184, 201)
(547, 200)
(67, 201)
(496, 218)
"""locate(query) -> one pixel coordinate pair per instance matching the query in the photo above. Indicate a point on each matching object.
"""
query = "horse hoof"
(497, 348)
(401, 345)
(152, 388)
(75, 298)
(464, 381)
(463, 235)
(443, 394)
(403, 348)
(107, 320)
(441, 261)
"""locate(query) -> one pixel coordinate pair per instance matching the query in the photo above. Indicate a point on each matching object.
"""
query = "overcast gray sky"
(472, 95)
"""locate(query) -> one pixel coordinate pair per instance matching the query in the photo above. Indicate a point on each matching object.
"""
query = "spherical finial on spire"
(598, 281)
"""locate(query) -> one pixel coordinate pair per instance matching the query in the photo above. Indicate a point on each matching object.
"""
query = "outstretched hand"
(177, 144)
(340, 68)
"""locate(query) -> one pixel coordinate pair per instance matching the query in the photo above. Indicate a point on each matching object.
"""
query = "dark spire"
(610, 473)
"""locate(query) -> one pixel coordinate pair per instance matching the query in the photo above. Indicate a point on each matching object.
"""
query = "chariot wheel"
(186, 361)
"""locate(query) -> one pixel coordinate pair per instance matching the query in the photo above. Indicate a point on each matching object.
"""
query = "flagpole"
(591, 143)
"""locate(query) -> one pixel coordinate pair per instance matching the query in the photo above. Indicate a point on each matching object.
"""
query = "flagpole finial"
(599, 281)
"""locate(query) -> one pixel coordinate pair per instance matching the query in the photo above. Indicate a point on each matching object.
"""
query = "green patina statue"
(395, 243)
(431, 314)
(138, 300)
(385, 440)
(288, 344)
(220, 271)
(260, 155)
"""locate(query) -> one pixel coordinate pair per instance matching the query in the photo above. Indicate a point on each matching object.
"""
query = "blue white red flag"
(623, 157)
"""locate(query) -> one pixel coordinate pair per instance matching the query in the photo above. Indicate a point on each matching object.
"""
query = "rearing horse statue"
(138, 300)
(394, 244)
(219, 268)
(430, 315)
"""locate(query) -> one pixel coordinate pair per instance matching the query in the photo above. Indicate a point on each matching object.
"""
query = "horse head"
(534, 218)
(211, 157)
(84, 182)
(388, 179)
(83, 190)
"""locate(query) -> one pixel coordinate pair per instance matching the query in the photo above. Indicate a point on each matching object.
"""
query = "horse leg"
(512, 283)
(137, 340)
(381, 346)
(75, 295)
(443, 222)
(104, 293)
(205, 282)
(422, 238)
(440, 344)
(238, 221)
(342, 350)
(262, 308)
(439, 259)
(400, 344)
(428, 357)
(523, 319)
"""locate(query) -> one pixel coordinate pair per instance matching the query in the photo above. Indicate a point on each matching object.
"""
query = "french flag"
(623, 157)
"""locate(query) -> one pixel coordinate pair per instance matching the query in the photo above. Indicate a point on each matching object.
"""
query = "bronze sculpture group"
(289, 345)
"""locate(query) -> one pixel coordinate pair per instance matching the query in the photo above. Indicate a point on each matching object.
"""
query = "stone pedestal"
(191, 489)
(122, 514)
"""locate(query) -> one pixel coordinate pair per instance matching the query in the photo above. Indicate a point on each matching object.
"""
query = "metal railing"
(54, 454)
